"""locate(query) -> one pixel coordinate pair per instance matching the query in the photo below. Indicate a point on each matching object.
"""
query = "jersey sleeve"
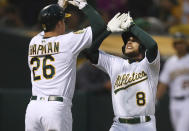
(104, 62)
(154, 65)
(80, 40)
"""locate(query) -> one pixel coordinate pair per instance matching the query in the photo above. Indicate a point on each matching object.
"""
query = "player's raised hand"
(63, 3)
(79, 3)
(127, 23)
(114, 25)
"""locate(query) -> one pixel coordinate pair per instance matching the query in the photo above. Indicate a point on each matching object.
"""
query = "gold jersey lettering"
(40, 48)
(50, 50)
(56, 47)
(44, 49)
(34, 49)
(125, 80)
(118, 81)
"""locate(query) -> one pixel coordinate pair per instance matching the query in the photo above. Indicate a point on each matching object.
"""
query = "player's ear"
(60, 22)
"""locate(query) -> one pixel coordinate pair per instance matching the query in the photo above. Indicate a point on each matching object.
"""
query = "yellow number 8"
(140, 98)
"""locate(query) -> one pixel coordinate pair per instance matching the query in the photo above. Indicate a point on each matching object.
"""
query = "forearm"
(96, 21)
(92, 53)
(147, 41)
(161, 89)
(98, 41)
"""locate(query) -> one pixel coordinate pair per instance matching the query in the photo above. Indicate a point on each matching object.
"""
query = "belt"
(179, 97)
(50, 98)
(134, 120)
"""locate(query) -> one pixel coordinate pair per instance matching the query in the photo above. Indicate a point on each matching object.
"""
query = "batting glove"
(114, 25)
(127, 23)
(63, 3)
(79, 3)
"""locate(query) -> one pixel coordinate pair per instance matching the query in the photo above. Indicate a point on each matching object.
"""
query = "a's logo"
(127, 80)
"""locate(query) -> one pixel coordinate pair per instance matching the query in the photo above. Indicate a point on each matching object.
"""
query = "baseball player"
(134, 78)
(175, 74)
(52, 60)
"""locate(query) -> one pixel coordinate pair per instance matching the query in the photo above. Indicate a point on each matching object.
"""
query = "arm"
(161, 90)
(147, 41)
(93, 53)
(113, 26)
(96, 21)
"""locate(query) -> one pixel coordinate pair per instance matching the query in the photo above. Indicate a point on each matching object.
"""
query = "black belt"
(50, 98)
(179, 97)
(134, 120)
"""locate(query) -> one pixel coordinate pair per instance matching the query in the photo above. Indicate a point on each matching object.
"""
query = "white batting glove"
(127, 23)
(79, 3)
(114, 25)
(62, 3)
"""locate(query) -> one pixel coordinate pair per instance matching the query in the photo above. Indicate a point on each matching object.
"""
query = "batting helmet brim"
(67, 15)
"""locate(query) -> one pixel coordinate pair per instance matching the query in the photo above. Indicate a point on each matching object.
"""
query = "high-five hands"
(127, 23)
(79, 3)
(120, 22)
(63, 3)
(114, 25)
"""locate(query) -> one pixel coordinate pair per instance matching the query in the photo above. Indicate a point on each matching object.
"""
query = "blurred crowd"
(155, 16)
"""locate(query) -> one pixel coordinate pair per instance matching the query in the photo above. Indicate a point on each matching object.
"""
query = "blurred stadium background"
(92, 109)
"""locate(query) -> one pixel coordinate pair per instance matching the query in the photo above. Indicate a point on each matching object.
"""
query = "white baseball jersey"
(52, 62)
(133, 85)
(176, 75)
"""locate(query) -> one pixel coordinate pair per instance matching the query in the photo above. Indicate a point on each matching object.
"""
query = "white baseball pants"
(43, 115)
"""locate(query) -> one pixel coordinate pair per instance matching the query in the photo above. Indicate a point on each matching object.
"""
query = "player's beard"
(132, 54)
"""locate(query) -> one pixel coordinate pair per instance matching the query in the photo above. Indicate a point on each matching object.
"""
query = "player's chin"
(130, 53)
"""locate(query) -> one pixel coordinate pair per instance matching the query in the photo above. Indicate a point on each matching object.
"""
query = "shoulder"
(40, 35)
(103, 56)
(109, 55)
(187, 56)
(79, 31)
(82, 31)
(77, 35)
(156, 60)
(171, 59)
(37, 37)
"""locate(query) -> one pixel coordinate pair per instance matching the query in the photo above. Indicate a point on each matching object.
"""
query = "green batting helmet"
(50, 15)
